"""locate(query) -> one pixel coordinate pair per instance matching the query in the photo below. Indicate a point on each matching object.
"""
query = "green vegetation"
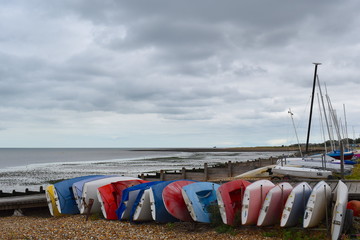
(294, 234)
(355, 173)
(217, 223)
(170, 226)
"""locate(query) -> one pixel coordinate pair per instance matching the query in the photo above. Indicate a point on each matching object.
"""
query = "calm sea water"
(32, 168)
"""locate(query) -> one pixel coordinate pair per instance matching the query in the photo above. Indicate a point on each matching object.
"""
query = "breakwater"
(209, 173)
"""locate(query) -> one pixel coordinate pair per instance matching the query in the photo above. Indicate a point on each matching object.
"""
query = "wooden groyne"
(22, 202)
(209, 173)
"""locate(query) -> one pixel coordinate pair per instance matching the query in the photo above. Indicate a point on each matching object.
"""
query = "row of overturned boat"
(239, 202)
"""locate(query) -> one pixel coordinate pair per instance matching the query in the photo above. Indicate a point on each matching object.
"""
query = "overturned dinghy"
(199, 197)
(229, 196)
(90, 192)
(64, 196)
(50, 198)
(295, 205)
(158, 209)
(120, 186)
(77, 187)
(273, 205)
(339, 211)
(317, 205)
(142, 207)
(174, 201)
(108, 194)
(253, 198)
(130, 199)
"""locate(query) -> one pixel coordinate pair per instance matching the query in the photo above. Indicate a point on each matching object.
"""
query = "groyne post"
(206, 173)
(162, 175)
(183, 173)
(230, 169)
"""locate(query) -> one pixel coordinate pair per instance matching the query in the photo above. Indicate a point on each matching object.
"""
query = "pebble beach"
(76, 227)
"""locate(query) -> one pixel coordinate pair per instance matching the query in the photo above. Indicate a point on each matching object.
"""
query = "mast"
(311, 107)
(325, 116)
(292, 119)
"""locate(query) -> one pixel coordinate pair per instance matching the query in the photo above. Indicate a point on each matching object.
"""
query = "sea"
(30, 168)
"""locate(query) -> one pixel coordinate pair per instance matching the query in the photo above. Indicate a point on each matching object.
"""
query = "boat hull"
(158, 209)
(229, 196)
(339, 210)
(302, 172)
(90, 192)
(254, 196)
(317, 205)
(295, 205)
(108, 194)
(174, 201)
(273, 205)
(131, 197)
(199, 197)
(50, 198)
(64, 196)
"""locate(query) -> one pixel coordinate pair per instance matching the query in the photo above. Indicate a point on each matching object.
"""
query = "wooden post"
(259, 162)
(271, 160)
(162, 175)
(183, 173)
(206, 173)
(230, 169)
(88, 207)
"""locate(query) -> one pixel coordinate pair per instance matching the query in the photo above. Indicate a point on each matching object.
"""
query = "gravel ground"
(76, 227)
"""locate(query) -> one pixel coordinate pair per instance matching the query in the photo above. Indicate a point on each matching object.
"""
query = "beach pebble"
(75, 227)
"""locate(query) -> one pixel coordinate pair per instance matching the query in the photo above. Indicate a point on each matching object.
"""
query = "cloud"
(209, 71)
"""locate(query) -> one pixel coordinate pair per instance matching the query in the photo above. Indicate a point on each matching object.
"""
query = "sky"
(202, 73)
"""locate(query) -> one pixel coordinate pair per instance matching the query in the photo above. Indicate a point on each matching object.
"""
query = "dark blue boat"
(64, 198)
(337, 154)
(158, 209)
(130, 199)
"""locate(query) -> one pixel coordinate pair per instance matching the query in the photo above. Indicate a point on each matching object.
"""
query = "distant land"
(235, 149)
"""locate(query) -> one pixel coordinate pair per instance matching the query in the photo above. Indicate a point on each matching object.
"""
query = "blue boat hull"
(65, 195)
(200, 196)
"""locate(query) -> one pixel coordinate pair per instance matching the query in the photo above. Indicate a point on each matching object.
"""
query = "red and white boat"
(273, 205)
(108, 196)
(253, 199)
(230, 196)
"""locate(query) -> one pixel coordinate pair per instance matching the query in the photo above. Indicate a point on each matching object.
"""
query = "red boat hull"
(232, 194)
(111, 196)
(174, 201)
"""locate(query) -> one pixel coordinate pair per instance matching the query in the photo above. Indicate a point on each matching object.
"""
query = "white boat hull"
(301, 172)
(143, 209)
(317, 205)
(339, 210)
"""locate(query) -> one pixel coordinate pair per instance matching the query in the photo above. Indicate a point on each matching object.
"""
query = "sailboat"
(329, 160)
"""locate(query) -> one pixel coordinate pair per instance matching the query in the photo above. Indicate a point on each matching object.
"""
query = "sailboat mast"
(311, 107)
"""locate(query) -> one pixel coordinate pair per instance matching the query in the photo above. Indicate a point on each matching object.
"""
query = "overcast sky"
(157, 73)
